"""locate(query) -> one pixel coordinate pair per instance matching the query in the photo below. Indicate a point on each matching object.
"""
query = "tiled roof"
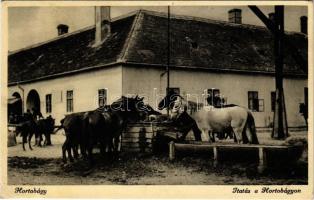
(69, 53)
(210, 44)
(142, 38)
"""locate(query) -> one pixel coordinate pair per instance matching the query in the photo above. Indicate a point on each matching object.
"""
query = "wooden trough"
(289, 151)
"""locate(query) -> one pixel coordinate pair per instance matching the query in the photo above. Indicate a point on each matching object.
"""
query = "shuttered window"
(174, 90)
(102, 97)
(48, 103)
(253, 101)
(70, 101)
(273, 101)
(213, 97)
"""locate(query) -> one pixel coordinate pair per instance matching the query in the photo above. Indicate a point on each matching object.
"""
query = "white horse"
(210, 120)
(236, 119)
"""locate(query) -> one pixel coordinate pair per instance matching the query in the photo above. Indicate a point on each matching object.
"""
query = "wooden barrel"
(137, 138)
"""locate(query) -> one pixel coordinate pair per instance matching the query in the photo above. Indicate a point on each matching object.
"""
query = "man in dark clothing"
(37, 114)
(28, 115)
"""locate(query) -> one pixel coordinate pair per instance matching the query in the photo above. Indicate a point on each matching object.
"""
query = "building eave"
(58, 75)
(160, 66)
(225, 70)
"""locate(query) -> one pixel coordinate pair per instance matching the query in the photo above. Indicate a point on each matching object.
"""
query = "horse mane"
(168, 99)
(194, 104)
(152, 111)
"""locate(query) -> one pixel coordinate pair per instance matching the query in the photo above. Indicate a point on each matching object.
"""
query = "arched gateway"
(33, 101)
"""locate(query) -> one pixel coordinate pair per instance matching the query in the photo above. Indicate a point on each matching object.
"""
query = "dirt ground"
(44, 166)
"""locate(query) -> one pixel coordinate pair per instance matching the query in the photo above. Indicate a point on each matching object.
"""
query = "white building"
(81, 70)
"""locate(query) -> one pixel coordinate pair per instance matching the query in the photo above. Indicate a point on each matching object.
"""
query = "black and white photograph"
(198, 95)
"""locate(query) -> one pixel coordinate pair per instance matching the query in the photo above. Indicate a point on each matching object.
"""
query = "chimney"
(235, 16)
(102, 23)
(271, 16)
(62, 29)
(303, 24)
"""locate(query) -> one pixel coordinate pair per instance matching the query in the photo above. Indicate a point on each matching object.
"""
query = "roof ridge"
(208, 20)
(126, 45)
(69, 34)
(155, 13)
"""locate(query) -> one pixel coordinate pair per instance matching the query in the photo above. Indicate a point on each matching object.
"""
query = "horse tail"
(251, 125)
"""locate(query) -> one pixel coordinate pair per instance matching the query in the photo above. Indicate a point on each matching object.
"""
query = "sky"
(31, 25)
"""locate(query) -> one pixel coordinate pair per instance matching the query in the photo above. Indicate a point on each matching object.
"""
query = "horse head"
(169, 99)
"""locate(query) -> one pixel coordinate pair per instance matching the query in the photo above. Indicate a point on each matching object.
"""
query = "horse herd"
(31, 126)
(104, 126)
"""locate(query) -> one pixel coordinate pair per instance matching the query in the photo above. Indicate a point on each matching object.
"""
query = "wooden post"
(280, 129)
(168, 58)
(215, 150)
(172, 150)
(262, 160)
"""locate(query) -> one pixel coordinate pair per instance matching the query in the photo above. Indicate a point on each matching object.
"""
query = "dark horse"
(73, 128)
(44, 127)
(30, 126)
(184, 122)
(27, 130)
(102, 126)
(105, 125)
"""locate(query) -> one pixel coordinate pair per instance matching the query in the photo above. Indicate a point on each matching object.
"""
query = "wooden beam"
(276, 26)
(280, 129)
(209, 146)
(172, 150)
(262, 160)
(215, 151)
(268, 23)
(168, 60)
(272, 27)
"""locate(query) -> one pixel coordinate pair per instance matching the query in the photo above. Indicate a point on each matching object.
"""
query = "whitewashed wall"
(148, 82)
(233, 86)
(85, 90)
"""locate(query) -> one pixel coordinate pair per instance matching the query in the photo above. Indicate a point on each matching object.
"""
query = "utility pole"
(168, 58)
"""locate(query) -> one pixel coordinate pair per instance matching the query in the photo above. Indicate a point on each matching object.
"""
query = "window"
(48, 103)
(261, 105)
(303, 107)
(253, 101)
(213, 97)
(174, 90)
(273, 101)
(102, 97)
(70, 101)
